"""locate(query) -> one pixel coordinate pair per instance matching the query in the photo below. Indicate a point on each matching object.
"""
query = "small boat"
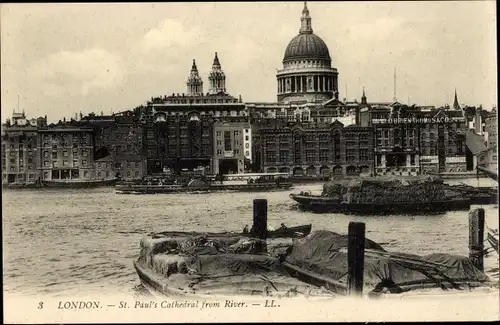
(492, 238)
(78, 183)
(289, 232)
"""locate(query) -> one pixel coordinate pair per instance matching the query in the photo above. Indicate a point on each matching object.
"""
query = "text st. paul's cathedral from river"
(308, 132)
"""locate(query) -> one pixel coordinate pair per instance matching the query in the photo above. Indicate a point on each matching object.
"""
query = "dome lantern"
(306, 27)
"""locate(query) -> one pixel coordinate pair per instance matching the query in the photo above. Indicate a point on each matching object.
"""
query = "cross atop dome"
(306, 27)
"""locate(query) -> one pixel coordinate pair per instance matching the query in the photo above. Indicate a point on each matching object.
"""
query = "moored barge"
(79, 183)
(322, 204)
(234, 182)
(424, 195)
(210, 265)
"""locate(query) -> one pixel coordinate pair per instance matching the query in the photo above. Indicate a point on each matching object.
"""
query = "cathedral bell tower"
(217, 78)
(194, 82)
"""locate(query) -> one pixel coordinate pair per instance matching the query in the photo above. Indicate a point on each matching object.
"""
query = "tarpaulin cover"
(226, 273)
(325, 253)
(219, 266)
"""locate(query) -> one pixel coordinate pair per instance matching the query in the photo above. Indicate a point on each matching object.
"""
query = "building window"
(46, 163)
(55, 164)
(227, 140)
(54, 155)
(218, 134)
(85, 153)
(219, 151)
(236, 151)
(323, 155)
(271, 156)
(84, 162)
(350, 155)
(311, 156)
(65, 153)
(284, 156)
(247, 145)
(75, 163)
(363, 154)
(246, 138)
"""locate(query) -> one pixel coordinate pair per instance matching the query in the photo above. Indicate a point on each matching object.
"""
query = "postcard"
(254, 161)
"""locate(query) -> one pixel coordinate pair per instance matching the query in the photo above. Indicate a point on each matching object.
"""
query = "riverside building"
(20, 157)
(411, 140)
(182, 129)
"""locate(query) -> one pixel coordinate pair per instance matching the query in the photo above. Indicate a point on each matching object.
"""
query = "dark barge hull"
(79, 184)
(171, 189)
(15, 186)
(321, 204)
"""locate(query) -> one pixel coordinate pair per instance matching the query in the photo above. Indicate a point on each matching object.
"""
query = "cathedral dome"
(306, 46)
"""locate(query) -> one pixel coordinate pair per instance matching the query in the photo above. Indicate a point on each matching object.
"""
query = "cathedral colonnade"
(307, 83)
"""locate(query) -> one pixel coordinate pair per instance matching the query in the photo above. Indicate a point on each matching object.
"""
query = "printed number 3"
(40, 305)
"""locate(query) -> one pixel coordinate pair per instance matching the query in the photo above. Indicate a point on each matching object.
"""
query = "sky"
(60, 59)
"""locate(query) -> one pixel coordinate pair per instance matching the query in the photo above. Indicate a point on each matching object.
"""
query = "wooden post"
(355, 258)
(260, 223)
(476, 238)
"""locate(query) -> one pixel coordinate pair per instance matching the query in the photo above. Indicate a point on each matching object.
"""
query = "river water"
(65, 242)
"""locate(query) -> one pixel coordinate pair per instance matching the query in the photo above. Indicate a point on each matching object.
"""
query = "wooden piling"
(355, 258)
(476, 238)
(260, 224)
